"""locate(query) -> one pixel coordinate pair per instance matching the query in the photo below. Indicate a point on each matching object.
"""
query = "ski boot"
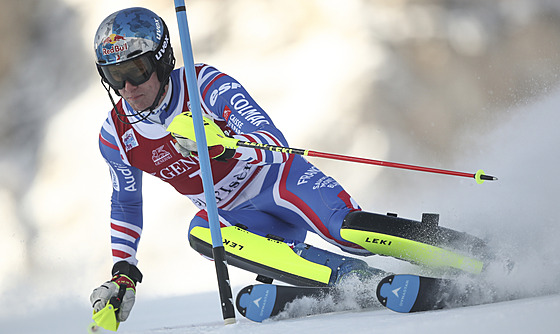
(343, 268)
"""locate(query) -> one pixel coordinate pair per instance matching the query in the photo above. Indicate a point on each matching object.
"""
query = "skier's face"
(142, 96)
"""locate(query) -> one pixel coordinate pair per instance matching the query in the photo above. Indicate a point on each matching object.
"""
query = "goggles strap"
(158, 96)
(122, 116)
(142, 115)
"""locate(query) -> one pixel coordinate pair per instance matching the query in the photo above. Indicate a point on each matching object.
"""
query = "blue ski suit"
(269, 192)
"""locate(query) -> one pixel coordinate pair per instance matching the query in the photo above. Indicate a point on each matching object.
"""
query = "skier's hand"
(182, 126)
(125, 275)
(185, 146)
(188, 147)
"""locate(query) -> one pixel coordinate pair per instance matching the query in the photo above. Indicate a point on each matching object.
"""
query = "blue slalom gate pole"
(218, 252)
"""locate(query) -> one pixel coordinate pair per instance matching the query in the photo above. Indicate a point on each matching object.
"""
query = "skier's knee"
(200, 219)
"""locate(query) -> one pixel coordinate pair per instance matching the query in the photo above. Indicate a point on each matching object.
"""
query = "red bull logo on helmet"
(110, 45)
(112, 39)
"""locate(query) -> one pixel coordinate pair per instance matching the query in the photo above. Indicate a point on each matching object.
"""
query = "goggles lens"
(135, 71)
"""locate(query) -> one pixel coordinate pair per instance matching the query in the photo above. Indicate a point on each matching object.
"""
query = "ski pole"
(479, 176)
(218, 252)
(182, 125)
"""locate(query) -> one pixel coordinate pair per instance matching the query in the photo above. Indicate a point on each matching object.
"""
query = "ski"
(413, 293)
(262, 301)
(400, 293)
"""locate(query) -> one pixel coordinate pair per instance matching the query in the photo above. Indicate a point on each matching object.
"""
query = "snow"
(200, 313)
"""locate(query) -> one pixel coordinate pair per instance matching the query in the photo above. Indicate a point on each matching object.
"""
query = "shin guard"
(268, 257)
(422, 243)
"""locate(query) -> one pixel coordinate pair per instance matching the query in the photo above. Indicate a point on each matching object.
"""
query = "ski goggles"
(136, 71)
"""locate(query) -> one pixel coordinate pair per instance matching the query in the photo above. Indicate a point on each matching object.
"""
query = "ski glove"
(188, 147)
(125, 276)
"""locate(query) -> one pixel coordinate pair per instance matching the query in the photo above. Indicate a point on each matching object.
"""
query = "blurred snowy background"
(451, 84)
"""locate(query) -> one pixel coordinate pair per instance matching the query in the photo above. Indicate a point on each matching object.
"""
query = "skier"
(268, 195)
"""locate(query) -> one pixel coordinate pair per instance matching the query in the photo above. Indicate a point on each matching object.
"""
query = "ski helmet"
(130, 45)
